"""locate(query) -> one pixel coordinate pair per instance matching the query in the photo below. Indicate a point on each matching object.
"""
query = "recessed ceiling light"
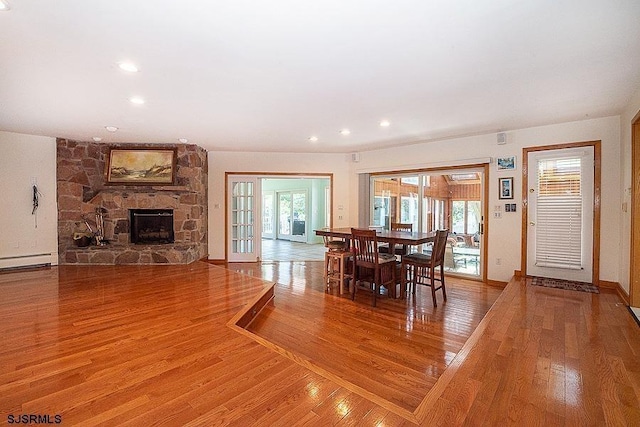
(97, 139)
(385, 123)
(111, 128)
(136, 100)
(127, 66)
(313, 138)
(345, 132)
(4, 5)
(183, 140)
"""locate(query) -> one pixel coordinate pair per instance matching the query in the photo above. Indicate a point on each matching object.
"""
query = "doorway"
(453, 199)
(560, 219)
(292, 215)
(279, 209)
(634, 267)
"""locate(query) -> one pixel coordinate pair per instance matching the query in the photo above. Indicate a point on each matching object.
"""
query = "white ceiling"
(266, 75)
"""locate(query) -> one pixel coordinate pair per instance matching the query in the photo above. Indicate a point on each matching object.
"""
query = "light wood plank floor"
(147, 345)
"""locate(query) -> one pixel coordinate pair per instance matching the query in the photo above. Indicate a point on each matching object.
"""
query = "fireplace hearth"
(151, 226)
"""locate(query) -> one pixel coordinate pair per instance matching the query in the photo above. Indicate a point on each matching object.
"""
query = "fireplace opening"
(151, 226)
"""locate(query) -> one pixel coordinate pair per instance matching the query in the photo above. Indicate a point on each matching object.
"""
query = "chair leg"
(354, 284)
(433, 287)
(403, 280)
(375, 296)
(444, 289)
(415, 278)
(375, 287)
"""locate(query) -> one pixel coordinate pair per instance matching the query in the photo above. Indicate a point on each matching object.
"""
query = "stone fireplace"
(82, 190)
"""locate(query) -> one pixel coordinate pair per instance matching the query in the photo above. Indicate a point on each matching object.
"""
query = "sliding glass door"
(431, 201)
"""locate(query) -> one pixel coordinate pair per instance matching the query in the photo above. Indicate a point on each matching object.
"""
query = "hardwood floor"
(142, 345)
(393, 353)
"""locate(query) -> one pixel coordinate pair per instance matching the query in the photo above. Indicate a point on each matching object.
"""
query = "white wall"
(505, 233)
(23, 158)
(630, 113)
(265, 163)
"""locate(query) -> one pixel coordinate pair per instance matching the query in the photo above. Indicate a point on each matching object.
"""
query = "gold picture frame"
(141, 166)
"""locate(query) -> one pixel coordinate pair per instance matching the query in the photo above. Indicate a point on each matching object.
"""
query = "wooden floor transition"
(392, 353)
(144, 345)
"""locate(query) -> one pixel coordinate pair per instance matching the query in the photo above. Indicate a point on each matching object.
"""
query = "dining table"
(409, 238)
(392, 237)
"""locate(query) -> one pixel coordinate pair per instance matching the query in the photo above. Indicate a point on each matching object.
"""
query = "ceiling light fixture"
(97, 139)
(183, 140)
(111, 128)
(136, 100)
(127, 66)
(4, 5)
(313, 138)
(345, 132)
(385, 123)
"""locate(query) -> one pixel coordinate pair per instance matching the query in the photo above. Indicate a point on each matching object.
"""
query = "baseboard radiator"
(26, 261)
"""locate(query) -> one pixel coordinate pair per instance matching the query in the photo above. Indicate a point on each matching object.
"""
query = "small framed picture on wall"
(505, 188)
(506, 163)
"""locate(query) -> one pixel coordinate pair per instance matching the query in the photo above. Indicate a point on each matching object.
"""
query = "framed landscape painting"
(506, 163)
(140, 166)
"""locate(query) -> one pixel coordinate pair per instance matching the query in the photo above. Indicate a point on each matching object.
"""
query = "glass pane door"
(242, 219)
(299, 212)
(436, 200)
(268, 215)
(284, 216)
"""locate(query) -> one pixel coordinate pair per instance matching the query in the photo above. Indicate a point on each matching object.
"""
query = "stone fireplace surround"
(81, 189)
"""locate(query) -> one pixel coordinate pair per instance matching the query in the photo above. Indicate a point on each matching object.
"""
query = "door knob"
(532, 223)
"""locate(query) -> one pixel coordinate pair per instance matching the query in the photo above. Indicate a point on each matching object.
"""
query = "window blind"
(559, 213)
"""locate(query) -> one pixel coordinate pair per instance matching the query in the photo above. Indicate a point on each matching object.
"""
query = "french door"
(268, 215)
(292, 215)
(560, 213)
(243, 193)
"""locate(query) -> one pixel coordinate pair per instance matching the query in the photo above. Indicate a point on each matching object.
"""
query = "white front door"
(243, 218)
(560, 214)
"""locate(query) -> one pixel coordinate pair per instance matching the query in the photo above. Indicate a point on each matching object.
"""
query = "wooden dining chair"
(420, 269)
(397, 226)
(371, 267)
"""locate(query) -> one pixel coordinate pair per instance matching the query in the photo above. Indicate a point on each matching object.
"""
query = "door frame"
(484, 235)
(634, 263)
(261, 175)
(595, 270)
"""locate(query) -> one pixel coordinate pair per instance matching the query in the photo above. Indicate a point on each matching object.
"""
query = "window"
(409, 210)
(465, 216)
